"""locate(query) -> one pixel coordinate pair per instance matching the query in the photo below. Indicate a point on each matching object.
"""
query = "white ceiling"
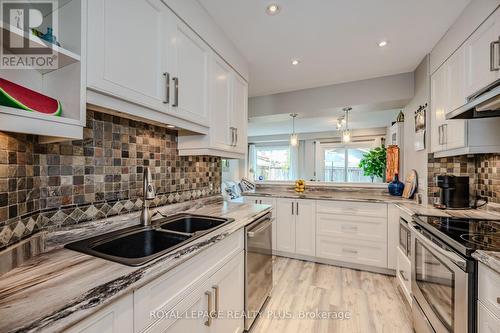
(335, 40)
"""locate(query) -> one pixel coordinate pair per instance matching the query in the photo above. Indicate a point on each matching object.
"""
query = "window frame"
(320, 158)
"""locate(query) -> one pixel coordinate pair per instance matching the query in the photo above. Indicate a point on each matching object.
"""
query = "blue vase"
(396, 187)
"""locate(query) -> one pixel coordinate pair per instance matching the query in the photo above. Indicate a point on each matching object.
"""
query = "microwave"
(404, 237)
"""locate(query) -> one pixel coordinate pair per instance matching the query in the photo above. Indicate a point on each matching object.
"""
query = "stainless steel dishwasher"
(258, 267)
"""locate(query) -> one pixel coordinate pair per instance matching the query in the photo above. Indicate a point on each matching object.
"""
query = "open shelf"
(50, 128)
(65, 57)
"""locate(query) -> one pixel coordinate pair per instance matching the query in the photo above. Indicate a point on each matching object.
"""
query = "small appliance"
(454, 192)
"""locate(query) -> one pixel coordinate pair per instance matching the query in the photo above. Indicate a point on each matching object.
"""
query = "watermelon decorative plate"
(19, 97)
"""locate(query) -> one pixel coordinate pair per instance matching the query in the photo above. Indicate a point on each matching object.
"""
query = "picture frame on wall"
(420, 127)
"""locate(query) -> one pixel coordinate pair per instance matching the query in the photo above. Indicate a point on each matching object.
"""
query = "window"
(272, 163)
(340, 163)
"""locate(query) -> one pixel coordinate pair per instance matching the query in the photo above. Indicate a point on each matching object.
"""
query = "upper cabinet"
(127, 50)
(482, 55)
(228, 114)
(473, 66)
(148, 63)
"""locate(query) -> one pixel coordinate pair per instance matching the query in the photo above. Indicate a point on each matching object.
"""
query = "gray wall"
(418, 159)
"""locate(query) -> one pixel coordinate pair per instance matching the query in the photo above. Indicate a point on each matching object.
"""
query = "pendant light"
(294, 139)
(346, 134)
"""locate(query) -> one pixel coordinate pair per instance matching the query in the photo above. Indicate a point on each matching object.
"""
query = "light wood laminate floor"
(372, 299)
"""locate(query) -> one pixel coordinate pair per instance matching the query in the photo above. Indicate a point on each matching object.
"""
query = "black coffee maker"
(454, 191)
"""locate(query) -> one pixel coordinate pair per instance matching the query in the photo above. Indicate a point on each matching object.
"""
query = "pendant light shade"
(346, 134)
(294, 138)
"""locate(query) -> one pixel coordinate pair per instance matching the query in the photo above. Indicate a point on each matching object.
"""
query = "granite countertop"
(489, 258)
(61, 287)
(342, 194)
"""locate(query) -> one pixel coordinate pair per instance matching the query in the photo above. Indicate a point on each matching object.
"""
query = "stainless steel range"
(444, 274)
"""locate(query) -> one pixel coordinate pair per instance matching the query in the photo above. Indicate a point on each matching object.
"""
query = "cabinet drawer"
(489, 289)
(166, 291)
(357, 252)
(352, 208)
(356, 227)
(403, 273)
(486, 321)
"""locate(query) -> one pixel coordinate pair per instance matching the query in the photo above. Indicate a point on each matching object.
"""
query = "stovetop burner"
(464, 235)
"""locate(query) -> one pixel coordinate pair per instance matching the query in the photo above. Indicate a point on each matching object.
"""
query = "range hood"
(482, 105)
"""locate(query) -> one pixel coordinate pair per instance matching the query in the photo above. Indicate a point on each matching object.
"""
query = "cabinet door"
(285, 225)
(192, 319)
(189, 85)
(220, 94)
(115, 318)
(438, 108)
(239, 118)
(127, 50)
(478, 57)
(487, 322)
(228, 288)
(455, 80)
(305, 226)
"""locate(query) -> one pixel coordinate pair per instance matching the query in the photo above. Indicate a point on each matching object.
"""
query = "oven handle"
(453, 257)
(263, 227)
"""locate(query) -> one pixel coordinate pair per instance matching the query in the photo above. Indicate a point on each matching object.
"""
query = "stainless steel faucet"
(149, 194)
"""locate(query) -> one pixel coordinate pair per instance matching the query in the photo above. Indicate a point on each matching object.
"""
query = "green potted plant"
(373, 163)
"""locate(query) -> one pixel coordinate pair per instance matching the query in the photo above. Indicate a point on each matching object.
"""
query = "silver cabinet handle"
(297, 204)
(403, 276)
(167, 88)
(216, 300)
(498, 300)
(439, 135)
(498, 42)
(208, 322)
(235, 136)
(493, 67)
(350, 251)
(292, 209)
(176, 94)
(445, 133)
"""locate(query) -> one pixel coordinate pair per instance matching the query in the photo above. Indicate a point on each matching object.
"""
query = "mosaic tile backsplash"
(46, 185)
(482, 170)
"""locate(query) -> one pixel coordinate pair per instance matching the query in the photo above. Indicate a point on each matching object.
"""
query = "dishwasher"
(258, 267)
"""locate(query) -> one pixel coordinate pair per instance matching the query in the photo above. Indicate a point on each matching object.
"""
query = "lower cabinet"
(181, 300)
(115, 318)
(486, 321)
(296, 226)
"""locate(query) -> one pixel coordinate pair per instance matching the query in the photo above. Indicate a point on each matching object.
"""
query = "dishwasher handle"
(263, 226)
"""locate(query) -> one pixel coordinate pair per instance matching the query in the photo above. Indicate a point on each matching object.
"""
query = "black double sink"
(135, 246)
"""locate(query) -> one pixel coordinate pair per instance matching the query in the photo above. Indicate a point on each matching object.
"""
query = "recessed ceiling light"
(383, 43)
(170, 126)
(295, 62)
(273, 9)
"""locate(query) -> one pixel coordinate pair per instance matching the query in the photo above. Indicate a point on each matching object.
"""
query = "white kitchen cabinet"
(489, 289)
(487, 322)
(239, 114)
(305, 227)
(127, 50)
(285, 225)
(445, 134)
(228, 287)
(189, 90)
(481, 56)
(295, 226)
(228, 99)
(220, 84)
(114, 318)
(455, 80)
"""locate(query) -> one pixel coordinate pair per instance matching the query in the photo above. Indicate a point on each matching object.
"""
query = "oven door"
(439, 284)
